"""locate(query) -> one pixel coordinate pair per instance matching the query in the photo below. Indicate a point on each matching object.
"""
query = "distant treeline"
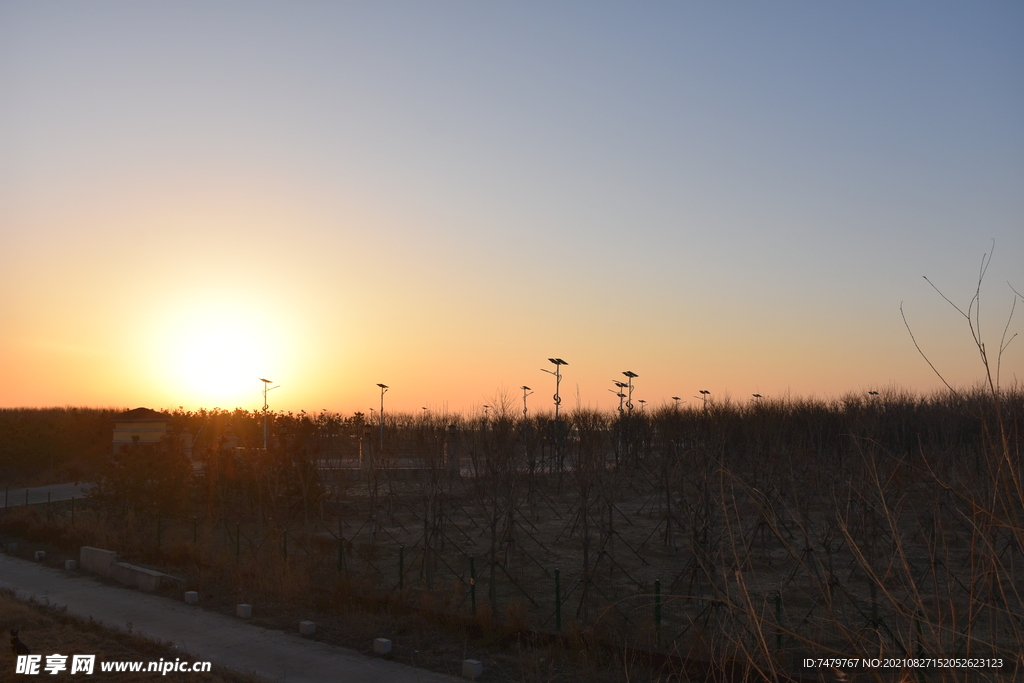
(71, 440)
(75, 441)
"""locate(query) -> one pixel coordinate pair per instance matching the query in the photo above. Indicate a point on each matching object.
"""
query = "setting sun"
(216, 356)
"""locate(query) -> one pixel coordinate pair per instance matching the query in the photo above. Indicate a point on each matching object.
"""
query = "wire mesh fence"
(770, 533)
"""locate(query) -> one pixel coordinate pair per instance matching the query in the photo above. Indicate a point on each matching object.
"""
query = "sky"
(736, 197)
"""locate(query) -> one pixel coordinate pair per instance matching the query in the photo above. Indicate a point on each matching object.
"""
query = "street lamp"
(558, 362)
(677, 400)
(618, 392)
(704, 395)
(558, 380)
(629, 399)
(526, 392)
(266, 388)
(383, 390)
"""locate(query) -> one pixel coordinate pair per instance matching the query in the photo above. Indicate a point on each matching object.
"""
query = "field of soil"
(678, 542)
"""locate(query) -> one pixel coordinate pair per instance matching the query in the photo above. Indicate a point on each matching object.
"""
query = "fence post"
(558, 601)
(472, 585)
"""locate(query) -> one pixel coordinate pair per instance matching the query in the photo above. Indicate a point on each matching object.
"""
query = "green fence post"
(657, 612)
(558, 601)
(472, 585)
(401, 568)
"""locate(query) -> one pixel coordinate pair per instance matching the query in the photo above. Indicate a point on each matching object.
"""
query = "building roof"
(141, 415)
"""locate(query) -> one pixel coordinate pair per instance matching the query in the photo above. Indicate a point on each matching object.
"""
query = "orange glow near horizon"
(194, 198)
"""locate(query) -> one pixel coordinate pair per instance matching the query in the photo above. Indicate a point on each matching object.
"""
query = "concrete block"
(243, 611)
(472, 668)
(191, 598)
(139, 577)
(381, 646)
(307, 628)
(70, 565)
(96, 560)
(40, 555)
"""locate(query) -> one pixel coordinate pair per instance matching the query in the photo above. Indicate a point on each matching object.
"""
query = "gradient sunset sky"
(440, 196)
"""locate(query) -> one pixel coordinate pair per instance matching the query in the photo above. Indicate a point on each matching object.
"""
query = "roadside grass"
(47, 630)
(780, 529)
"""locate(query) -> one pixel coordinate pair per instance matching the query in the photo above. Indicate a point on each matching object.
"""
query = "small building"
(141, 425)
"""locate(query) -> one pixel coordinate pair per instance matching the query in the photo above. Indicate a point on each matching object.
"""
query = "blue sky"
(734, 196)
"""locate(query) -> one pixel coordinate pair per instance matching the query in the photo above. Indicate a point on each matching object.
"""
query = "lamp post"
(383, 390)
(704, 396)
(558, 381)
(266, 388)
(558, 363)
(622, 397)
(677, 400)
(629, 399)
(526, 392)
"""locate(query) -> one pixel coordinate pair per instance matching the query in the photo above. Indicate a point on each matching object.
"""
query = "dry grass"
(47, 630)
(885, 525)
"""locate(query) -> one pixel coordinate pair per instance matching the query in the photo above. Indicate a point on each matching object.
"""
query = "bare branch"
(958, 309)
(1003, 341)
(918, 347)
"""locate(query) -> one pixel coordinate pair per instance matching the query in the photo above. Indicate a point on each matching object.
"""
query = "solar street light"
(629, 398)
(526, 392)
(383, 390)
(558, 362)
(704, 395)
(622, 397)
(266, 388)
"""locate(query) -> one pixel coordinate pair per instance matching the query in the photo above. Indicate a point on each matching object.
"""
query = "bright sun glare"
(216, 359)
